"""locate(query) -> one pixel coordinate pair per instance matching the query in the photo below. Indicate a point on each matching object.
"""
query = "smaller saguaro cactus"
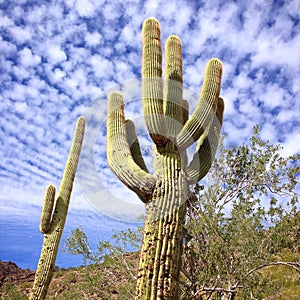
(52, 223)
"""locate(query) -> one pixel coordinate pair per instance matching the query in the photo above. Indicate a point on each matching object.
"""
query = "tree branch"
(293, 265)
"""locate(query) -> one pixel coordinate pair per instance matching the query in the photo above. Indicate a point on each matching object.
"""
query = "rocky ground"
(10, 272)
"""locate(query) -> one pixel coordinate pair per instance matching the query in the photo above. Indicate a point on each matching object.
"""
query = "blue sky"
(59, 60)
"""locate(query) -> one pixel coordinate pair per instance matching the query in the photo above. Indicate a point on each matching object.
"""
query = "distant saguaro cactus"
(172, 130)
(52, 223)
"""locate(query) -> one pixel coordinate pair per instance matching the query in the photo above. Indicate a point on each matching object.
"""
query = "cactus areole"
(166, 190)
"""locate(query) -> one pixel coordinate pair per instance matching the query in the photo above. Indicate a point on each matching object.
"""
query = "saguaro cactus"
(166, 190)
(52, 223)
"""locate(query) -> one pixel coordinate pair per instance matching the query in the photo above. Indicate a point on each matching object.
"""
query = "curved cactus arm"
(47, 209)
(206, 106)
(185, 111)
(152, 91)
(119, 156)
(134, 145)
(206, 148)
(173, 86)
(53, 234)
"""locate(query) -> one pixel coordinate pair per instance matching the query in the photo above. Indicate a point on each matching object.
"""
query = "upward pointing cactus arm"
(206, 106)
(129, 167)
(152, 91)
(206, 148)
(52, 223)
(173, 102)
(45, 222)
(135, 149)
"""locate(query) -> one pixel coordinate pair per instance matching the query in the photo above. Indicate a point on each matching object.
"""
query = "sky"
(60, 60)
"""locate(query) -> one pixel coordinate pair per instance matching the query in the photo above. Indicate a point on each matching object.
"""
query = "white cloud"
(5, 21)
(286, 115)
(7, 48)
(28, 59)
(277, 52)
(128, 33)
(291, 145)
(268, 132)
(21, 107)
(55, 54)
(93, 39)
(111, 11)
(293, 8)
(21, 72)
(102, 67)
(58, 75)
(85, 8)
(20, 35)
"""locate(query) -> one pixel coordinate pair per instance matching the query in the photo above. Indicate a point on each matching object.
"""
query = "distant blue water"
(21, 240)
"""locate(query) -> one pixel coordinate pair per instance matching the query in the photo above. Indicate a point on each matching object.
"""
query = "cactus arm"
(173, 86)
(206, 106)
(185, 111)
(53, 235)
(134, 144)
(47, 209)
(152, 91)
(71, 166)
(119, 155)
(206, 148)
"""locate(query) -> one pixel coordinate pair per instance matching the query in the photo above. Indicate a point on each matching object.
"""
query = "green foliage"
(247, 213)
(77, 244)
(12, 293)
(112, 255)
(121, 242)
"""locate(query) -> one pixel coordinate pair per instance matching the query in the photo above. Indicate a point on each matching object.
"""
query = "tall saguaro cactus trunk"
(52, 225)
(172, 130)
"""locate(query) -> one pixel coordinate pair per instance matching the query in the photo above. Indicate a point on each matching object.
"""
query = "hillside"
(108, 281)
(105, 281)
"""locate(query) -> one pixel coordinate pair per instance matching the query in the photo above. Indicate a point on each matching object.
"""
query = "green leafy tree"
(120, 255)
(246, 213)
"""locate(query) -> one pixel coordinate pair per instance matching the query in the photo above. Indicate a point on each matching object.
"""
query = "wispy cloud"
(57, 57)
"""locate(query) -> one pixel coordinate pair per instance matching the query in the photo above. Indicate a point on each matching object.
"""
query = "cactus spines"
(168, 123)
(52, 222)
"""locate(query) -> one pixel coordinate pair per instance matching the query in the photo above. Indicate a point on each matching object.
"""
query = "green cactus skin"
(53, 228)
(206, 147)
(172, 130)
(47, 210)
